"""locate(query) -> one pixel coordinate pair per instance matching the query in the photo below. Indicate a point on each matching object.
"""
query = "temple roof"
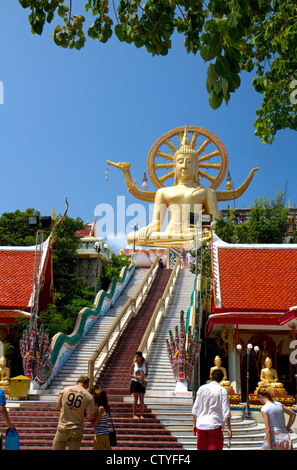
(88, 231)
(254, 284)
(16, 279)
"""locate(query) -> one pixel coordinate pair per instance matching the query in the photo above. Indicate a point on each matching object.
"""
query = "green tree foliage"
(113, 270)
(203, 260)
(15, 230)
(64, 254)
(267, 222)
(231, 35)
(71, 293)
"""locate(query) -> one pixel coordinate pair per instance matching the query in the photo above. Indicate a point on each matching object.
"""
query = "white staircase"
(77, 363)
(178, 419)
(160, 373)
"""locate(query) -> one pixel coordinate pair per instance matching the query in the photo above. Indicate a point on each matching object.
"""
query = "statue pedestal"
(234, 398)
(287, 400)
(181, 387)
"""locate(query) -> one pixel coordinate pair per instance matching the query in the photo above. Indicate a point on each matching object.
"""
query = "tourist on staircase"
(75, 403)
(211, 412)
(138, 374)
(100, 421)
(277, 435)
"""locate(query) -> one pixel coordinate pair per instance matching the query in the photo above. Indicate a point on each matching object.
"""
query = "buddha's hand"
(144, 232)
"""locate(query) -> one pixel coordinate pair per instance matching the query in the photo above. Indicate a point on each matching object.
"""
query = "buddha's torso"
(183, 194)
(181, 200)
(269, 375)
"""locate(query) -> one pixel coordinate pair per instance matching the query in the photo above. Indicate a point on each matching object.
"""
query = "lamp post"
(250, 351)
(99, 249)
(135, 228)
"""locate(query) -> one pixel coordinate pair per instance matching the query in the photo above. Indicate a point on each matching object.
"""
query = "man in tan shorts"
(75, 404)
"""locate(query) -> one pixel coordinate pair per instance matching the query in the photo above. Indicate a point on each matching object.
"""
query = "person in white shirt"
(211, 411)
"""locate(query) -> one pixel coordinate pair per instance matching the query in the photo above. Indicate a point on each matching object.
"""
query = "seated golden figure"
(4, 373)
(185, 199)
(269, 379)
(225, 382)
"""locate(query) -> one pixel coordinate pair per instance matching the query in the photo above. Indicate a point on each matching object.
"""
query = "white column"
(234, 369)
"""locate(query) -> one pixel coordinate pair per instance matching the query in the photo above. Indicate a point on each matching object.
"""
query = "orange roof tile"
(253, 284)
(16, 278)
(258, 279)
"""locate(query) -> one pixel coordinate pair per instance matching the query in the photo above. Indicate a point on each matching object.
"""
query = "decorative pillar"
(232, 367)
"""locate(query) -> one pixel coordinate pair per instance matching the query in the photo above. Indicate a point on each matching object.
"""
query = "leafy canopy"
(15, 230)
(231, 35)
(267, 222)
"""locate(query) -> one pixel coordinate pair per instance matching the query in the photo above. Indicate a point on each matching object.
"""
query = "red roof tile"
(87, 231)
(16, 278)
(253, 284)
(258, 279)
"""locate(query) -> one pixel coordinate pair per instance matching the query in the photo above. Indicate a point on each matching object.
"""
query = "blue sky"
(66, 112)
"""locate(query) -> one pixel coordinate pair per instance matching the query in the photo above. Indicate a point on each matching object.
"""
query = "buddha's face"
(217, 361)
(268, 362)
(186, 167)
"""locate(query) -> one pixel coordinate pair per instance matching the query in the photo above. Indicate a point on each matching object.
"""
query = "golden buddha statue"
(225, 382)
(264, 353)
(185, 199)
(4, 375)
(269, 379)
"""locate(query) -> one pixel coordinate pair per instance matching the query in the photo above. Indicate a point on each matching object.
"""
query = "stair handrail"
(113, 334)
(159, 311)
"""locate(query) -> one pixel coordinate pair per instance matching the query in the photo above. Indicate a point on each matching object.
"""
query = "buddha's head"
(217, 361)
(268, 362)
(186, 163)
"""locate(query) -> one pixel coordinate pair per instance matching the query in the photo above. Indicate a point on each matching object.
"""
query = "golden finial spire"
(54, 216)
(185, 145)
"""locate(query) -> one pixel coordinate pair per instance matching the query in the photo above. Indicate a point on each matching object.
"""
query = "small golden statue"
(265, 352)
(269, 379)
(4, 375)
(186, 198)
(225, 382)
